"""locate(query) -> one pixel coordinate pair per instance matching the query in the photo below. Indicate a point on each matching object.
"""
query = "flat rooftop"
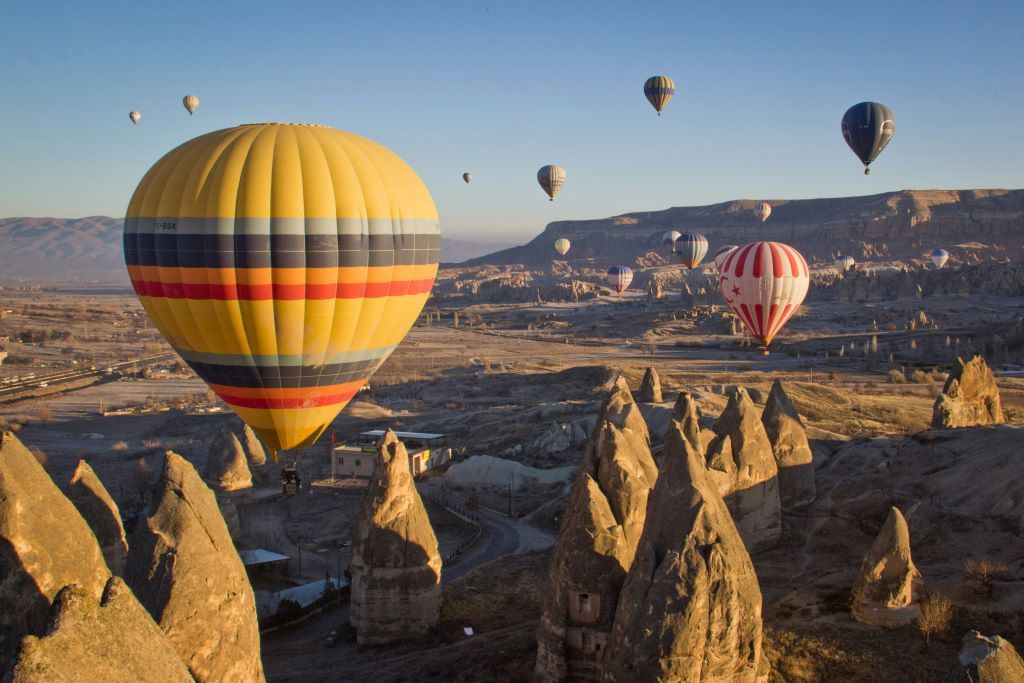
(377, 433)
(257, 556)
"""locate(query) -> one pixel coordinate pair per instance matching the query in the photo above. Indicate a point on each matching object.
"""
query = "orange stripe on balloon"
(283, 403)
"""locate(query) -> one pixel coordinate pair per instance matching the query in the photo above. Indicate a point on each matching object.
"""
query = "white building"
(426, 451)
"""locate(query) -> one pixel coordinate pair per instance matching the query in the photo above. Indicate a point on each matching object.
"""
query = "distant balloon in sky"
(467, 177)
(284, 263)
(867, 128)
(691, 247)
(721, 254)
(562, 246)
(844, 263)
(134, 116)
(619, 277)
(939, 257)
(191, 103)
(669, 237)
(551, 179)
(764, 283)
(762, 210)
(659, 90)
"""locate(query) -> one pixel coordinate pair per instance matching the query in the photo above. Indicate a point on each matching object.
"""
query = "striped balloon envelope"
(939, 257)
(762, 210)
(551, 179)
(721, 255)
(619, 277)
(691, 247)
(764, 284)
(284, 263)
(844, 263)
(659, 90)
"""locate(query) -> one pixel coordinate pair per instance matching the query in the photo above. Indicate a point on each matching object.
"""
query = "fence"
(461, 511)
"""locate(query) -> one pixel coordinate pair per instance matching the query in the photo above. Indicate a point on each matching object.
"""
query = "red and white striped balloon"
(764, 283)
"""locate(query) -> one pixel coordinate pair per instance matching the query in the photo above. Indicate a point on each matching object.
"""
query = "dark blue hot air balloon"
(868, 128)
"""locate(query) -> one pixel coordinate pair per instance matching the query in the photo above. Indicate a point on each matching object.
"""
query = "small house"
(356, 458)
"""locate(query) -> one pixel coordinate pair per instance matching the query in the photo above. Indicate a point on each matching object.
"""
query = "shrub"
(982, 574)
(897, 377)
(936, 615)
(920, 377)
(119, 447)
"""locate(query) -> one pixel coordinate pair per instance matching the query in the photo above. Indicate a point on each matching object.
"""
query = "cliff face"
(900, 223)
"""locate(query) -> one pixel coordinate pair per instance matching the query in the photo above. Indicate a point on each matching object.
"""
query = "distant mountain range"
(89, 249)
(904, 224)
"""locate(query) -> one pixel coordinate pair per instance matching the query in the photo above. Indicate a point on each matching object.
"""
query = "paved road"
(500, 538)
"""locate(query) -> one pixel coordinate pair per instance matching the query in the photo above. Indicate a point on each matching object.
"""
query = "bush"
(897, 377)
(119, 447)
(936, 615)
(920, 377)
(982, 574)
(44, 413)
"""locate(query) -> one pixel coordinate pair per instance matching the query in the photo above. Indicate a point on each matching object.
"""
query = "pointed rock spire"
(650, 387)
(185, 570)
(111, 639)
(888, 586)
(100, 512)
(396, 566)
(253, 447)
(621, 410)
(690, 607)
(792, 450)
(44, 545)
(601, 526)
(745, 472)
(227, 466)
(687, 414)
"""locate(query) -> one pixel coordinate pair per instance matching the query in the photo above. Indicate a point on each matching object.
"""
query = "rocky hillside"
(902, 224)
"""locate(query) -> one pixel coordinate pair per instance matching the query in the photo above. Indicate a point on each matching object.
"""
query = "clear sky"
(500, 88)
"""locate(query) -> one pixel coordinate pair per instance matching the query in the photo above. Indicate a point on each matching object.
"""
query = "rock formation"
(620, 409)
(969, 398)
(742, 465)
(113, 639)
(650, 387)
(396, 567)
(687, 414)
(888, 586)
(690, 607)
(44, 545)
(253, 447)
(792, 450)
(227, 466)
(601, 526)
(986, 659)
(185, 570)
(100, 512)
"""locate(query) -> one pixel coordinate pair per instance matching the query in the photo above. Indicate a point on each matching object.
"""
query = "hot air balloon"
(619, 277)
(721, 254)
(844, 263)
(551, 178)
(764, 283)
(134, 116)
(284, 263)
(659, 90)
(939, 257)
(191, 103)
(692, 248)
(669, 238)
(868, 128)
(467, 177)
(562, 246)
(762, 210)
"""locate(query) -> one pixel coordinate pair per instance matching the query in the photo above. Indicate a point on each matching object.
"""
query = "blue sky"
(501, 88)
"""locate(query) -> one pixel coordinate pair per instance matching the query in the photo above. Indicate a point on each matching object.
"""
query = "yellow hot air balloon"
(284, 263)
(562, 246)
(191, 103)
